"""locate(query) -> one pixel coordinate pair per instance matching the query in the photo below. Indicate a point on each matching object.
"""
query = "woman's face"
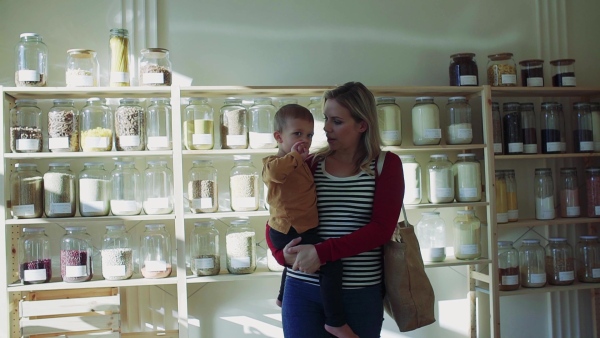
(342, 131)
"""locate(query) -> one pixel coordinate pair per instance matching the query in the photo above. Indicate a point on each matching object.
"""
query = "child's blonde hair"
(288, 112)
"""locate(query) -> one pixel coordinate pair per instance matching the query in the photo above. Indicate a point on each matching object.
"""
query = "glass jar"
(532, 264)
(63, 127)
(563, 132)
(460, 130)
(158, 125)
(130, 126)
(501, 197)
(595, 112)
(501, 70)
(497, 129)
(94, 190)
(532, 73)
(83, 69)
(463, 70)
(563, 73)
(26, 192)
(198, 132)
(592, 188)
(260, 124)
(528, 128)
(431, 234)
(155, 67)
(158, 192)
(569, 193)
(511, 126)
(31, 56)
(544, 194)
(512, 205)
(467, 235)
(560, 264)
(26, 127)
(588, 259)
(412, 179)
(551, 128)
(426, 122)
(583, 136)
(35, 259)
(234, 126)
(59, 191)
(241, 248)
(117, 253)
(155, 252)
(76, 255)
(319, 139)
(202, 187)
(390, 122)
(96, 126)
(508, 266)
(205, 259)
(119, 58)
(243, 185)
(285, 101)
(467, 178)
(127, 190)
(440, 179)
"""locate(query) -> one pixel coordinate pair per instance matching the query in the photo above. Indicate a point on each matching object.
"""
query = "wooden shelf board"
(225, 276)
(545, 156)
(556, 221)
(41, 93)
(137, 280)
(438, 148)
(230, 152)
(445, 205)
(27, 221)
(100, 154)
(545, 91)
(452, 261)
(227, 214)
(550, 288)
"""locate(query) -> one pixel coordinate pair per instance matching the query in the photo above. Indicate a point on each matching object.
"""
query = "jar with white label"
(96, 126)
(512, 204)
(511, 128)
(508, 266)
(260, 124)
(550, 128)
(240, 247)
(501, 197)
(234, 125)
(130, 126)
(390, 122)
(158, 125)
(412, 179)
(76, 255)
(588, 259)
(501, 70)
(59, 191)
(26, 127)
(563, 73)
(467, 178)
(127, 189)
(117, 253)
(35, 259)
(497, 129)
(426, 122)
(460, 130)
(583, 136)
(569, 193)
(592, 191)
(202, 187)
(560, 264)
(155, 67)
(528, 126)
(94, 190)
(155, 252)
(544, 194)
(532, 266)
(467, 235)
(158, 192)
(440, 178)
(31, 56)
(431, 234)
(26, 191)
(205, 259)
(319, 139)
(243, 185)
(83, 69)
(532, 73)
(198, 132)
(63, 126)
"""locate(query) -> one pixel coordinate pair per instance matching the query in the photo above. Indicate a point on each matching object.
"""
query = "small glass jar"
(512, 205)
(463, 70)
(158, 192)
(243, 185)
(440, 179)
(551, 128)
(508, 266)
(426, 122)
(560, 264)
(532, 264)
(467, 235)
(497, 129)
(35, 259)
(467, 178)
(31, 56)
(588, 259)
(260, 124)
(83, 69)
(155, 67)
(234, 125)
(76, 255)
(460, 129)
(569, 193)
(583, 136)
(158, 125)
(532, 73)
(544, 194)
(501, 70)
(117, 253)
(119, 58)
(198, 132)
(59, 191)
(412, 179)
(319, 139)
(592, 187)
(511, 126)
(390, 122)
(205, 259)
(96, 126)
(63, 127)
(241, 248)
(26, 192)
(431, 234)
(127, 189)
(26, 127)
(595, 112)
(130, 126)
(528, 127)
(202, 187)
(501, 197)
(563, 73)
(155, 252)
(94, 190)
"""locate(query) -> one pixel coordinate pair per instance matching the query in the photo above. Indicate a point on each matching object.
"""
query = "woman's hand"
(307, 259)
(290, 257)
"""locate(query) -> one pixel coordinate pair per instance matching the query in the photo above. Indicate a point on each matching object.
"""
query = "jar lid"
(119, 31)
(568, 170)
(457, 98)
(61, 102)
(430, 213)
(526, 106)
(124, 162)
(86, 164)
(531, 62)
(155, 51)
(198, 100)
(25, 165)
(233, 101)
(75, 228)
(386, 99)
(315, 98)
(562, 62)
(424, 98)
(505, 243)
(438, 156)
(26, 102)
(500, 56)
(465, 212)
(161, 100)
(239, 222)
(592, 169)
(557, 239)
(462, 55)
(581, 105)
(129, 101)
(202, 162)
(594, 106)
(588, 237)
(27, 35)
(466, 155)
(531, 241)
(161, 162)
(407, 157)
(81, 53)
(59, 164)
(115, 227)
(204, 223)
(96, 99)
(542, 170)
(241, 157)
(33, 230)
(154, 226)
(511, 106)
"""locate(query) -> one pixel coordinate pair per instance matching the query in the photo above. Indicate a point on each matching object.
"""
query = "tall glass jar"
(158, 192)
(412, 179)
(532, 259)
(583, 136)
(563, 132)
(440, 179)
(501, 197)
(59, 191)
(532, 73)
(158, 125)
(76, 255)
(117, 253)
(563, 73)
(551, 128)
(390, 122)
(96, 126)
(260, 124)
(241, 248)
(544, 194)
(467, 178)
(26, 127)
(497, 129)
(511, 126)
(83, 69)
(463, 70)
(588, 259)
(202, 187)
(501, 70)
(426, 122)
(127, 189)
(243, 185)
(119, 58)
(198, 132)
(460, 129)
(130, 126)
(528, 128)
(94, 190)
(155, 252)
(26, 192)
(234, 126)
(63, 127)
(467, 235)
(508, 266)
(431, 233)
(205, 259)
(31, 56)
(560, 264)
(319, 139)
(595, 112)
(35, 259)
(155, 67)
(592, 190)
(569, 193)
(512, 205)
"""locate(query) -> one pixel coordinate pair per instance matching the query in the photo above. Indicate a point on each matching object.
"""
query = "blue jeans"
(303, 314)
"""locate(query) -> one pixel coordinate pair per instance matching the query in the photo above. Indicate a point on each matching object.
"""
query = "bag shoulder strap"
(380, 161)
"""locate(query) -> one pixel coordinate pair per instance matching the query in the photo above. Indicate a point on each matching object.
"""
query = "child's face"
(295, 130)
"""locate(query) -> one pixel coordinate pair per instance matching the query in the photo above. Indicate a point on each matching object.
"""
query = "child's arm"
(277, 169)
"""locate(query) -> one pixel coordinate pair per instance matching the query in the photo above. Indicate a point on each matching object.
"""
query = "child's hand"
(301, 148)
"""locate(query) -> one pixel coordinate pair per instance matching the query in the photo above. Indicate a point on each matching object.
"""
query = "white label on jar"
(120, 206)
(204, 263)
(546, 214)
(443, 192)
(58, 143)
(236, 140)
(158, 142)
(96, 142)
(119, 77)
(469, 249)
(34, 275)
(515, 147)
(156, 203)
(390, 135)
(199, 139)
(240, 262)
(597, 210)
(432, 133)
(60, 208)
(468, 80)
(465, 133)
(563, 147)
(155, 266)
(80, 81)
(569, 81)
(75, 270)
(497, 147)
(113, 270)
(28, 144)
(434, 254)
(535, 82)
(262, 138)
(244, 202)
(530, 148)
(586, 146)
(467, 192)
(29, 75)
(509, 78)
(23, 210)
(129, 141)
(537, 278)
(510, 280)
(566, 275)
(596, 273)
(153, 78)
(513, 214)
(202, 203)
(573, 211)
(553, 146)
(502, 217)
(93, 206)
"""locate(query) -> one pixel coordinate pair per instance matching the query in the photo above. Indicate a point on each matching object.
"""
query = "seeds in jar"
(233, 130)
(26, 139)
(41, 264)
(149, 78)
(202, 196)
(79, 78)
(129, 124)
(206, 265)
(98, 139)
(240, 252)
(79, 261)
(244, 192)
(502, 75)
(117, 263)
(63, 131)
(27, 197)
(59, 194)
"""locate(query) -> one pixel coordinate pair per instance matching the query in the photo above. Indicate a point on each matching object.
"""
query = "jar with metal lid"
(119, 58)
(155, 252)
(532, 73)
(501, 70)
(426, 122)
(205, 259)
(158, 125)
(35, 259)
(26, 192)
(130, 126)
(319, 139)
(563, 132)
(96, 126)
(431, 234)
(59, 191)
(497, 129)
(460, 129)
(198, 132)
(563, 73)
(412, 179)
(63, 127)
(501, 197)
(243, 185)
(467, 178)
(528, 126)
(508, 266)
(234, 125)
(390, 122)
(127, 189)
(26, 127)
(440, 179)
(260, 124)
(512, 205)
(158, 192)
(569, 193)
(240, 247)
(595, 112)
(511, 126)
(202, 187)
(532, 259)
(463, 70)
(76, 255)
(560, 264)
(588, 259)
(155, 67)
(467, 235)
(544, 194)
(83, 69)
(583, 136)
(94, 190)
(592, 185)
(551, 128)
(31, 56)
(117, 253)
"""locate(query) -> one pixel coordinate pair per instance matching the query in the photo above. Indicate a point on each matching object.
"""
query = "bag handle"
(379, 168)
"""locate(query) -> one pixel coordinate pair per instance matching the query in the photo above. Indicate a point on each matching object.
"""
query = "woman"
(358, 212)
